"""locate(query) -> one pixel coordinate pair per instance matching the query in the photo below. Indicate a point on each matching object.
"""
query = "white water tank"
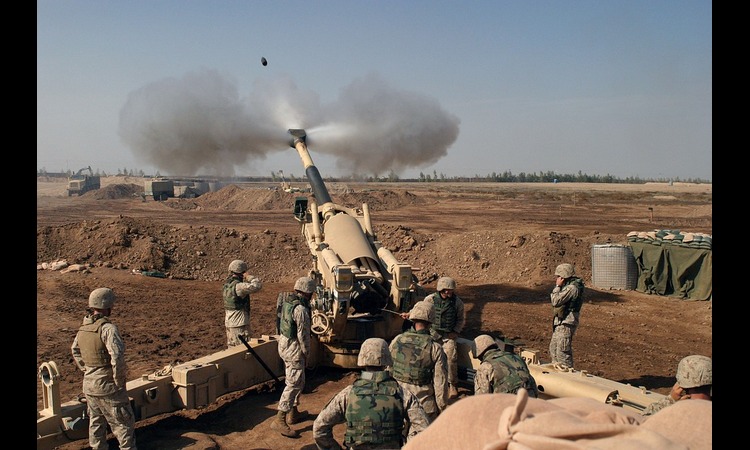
(613, 267)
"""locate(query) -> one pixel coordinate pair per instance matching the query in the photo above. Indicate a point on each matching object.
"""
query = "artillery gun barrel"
(319, 189)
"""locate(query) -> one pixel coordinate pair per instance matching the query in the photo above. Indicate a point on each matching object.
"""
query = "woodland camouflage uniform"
(375, 408)
(502, 371)
(419, 362)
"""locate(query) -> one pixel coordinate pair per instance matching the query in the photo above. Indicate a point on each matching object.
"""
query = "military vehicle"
(80, 183)
(159, 189)
(286, 186)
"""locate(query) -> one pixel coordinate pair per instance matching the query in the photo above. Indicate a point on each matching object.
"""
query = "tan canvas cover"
(516, 422)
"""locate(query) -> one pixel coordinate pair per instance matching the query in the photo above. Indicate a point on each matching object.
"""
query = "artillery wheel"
(319, 323)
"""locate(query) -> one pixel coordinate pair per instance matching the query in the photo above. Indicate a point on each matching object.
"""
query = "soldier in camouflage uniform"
(449, 322)
(236, 294)
(376, 409)
(98, 350)
(294, 349)
(694, 381)
(567, 299)
(501, 371)
(419, 362)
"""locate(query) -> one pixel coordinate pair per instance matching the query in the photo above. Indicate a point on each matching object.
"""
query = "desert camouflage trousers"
(234, 332)
(295, 382)
(114, 410)
(561, 345)
(451, 355)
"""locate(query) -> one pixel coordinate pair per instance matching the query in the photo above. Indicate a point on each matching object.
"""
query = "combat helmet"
(565, 270)
(305, 284)
(374, 352)
(238, 266)
(101, 298)
(446, 283)
(422, 310)
(694, 371)
(482, 343)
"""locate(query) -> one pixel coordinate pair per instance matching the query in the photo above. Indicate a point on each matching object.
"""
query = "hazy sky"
(619, 87)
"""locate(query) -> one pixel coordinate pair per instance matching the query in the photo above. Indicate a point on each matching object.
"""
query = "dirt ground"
(501, 242)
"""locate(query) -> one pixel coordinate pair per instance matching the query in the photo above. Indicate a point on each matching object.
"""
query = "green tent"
(673, 268)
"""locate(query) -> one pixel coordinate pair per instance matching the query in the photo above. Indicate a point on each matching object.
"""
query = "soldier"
(694, 381)
(236, 293)
(501, 371)
(567, 299)
(419, 362)
(449, 322)
(98, 351)
(294, 349)
(376, 408)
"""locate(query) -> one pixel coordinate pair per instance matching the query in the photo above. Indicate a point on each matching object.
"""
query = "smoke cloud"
(199, 124)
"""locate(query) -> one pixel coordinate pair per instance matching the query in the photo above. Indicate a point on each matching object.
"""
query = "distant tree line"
(551, 177)
(509, 177)
(392, 176)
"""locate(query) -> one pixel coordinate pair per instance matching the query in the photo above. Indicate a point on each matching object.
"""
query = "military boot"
(297, 416)
(280, 424)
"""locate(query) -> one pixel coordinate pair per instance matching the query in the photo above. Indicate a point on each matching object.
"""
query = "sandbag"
(517, 422)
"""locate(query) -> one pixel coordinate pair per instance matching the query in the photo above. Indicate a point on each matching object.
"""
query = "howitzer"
(357, 277)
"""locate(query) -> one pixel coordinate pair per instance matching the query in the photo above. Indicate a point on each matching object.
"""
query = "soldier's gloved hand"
(254, 281)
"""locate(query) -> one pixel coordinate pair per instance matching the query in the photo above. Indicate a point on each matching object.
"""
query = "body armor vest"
(374, 411)
(412, 358)
(287, 325)
(233, 301)
(510, 374)
(445, 312)
(93, 351)
(574, 305)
